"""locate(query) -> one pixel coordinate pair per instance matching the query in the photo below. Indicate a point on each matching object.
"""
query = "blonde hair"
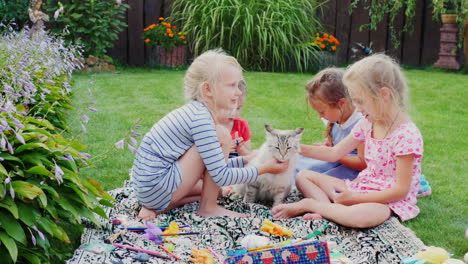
(327, 86)
(375, 72)
(205, 69)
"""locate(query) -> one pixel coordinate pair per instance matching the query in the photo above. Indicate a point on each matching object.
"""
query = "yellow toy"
(173, 228)
(202, 256)
(275, 229)
(433, 255)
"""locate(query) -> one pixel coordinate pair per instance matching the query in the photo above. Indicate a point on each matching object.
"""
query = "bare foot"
(283, 211)
(219, 211)
(312, 216)
(146, 214)
(226, 190)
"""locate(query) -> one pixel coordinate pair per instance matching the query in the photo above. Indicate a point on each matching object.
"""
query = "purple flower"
(83, 128)
(92, 109)
(85, 118)
(134, 142)
(12, 191)
(85, 154)
(132, 149)
(20, 138)
(57, 12)
(46, 91)
(120, 144)
(58, 173)
(33, 238)
(41, 235)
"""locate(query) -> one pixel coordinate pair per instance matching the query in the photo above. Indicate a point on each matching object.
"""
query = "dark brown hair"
(327, 86)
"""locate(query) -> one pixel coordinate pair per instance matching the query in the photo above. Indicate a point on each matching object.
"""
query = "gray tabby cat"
(282, 145)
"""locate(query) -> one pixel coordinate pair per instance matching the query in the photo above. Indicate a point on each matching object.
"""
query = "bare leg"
(315, 187)
(208, 201)
(358, 216)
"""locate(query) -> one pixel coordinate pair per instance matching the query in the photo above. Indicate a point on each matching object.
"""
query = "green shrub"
(94, 24)
(41, 191)
(262, 34)
(14, 11)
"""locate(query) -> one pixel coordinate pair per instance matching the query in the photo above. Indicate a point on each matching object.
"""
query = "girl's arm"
(404, 171)
(330, 154)
(356, 162)
(245, 148)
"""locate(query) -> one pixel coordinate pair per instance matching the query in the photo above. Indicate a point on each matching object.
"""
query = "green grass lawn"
(439, 108)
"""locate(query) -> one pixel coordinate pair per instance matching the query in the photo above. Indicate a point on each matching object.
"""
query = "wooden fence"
(419, 48)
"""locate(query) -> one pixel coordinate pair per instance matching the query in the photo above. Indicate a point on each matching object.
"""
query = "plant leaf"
(26, 189)
(40, 170)
(30, 146)
(10, 205)
(27, 214)
(10, 244)
(13, 228)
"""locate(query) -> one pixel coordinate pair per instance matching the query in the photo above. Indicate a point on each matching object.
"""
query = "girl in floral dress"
(393, 153)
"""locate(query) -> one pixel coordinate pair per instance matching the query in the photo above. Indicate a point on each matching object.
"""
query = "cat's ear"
(299, 130)
(268, 128)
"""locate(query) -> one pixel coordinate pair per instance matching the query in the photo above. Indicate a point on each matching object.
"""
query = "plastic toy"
(202, 256)
(173, 228)
(275, 229)
(429, 255)
(254, 241)
(153, 232)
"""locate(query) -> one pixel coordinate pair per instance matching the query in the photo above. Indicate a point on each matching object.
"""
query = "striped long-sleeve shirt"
(155, 172)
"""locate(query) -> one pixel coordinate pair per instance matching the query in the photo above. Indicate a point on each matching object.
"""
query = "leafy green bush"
(40, 187)
(262, 34)
(93, 24)
(14, 11)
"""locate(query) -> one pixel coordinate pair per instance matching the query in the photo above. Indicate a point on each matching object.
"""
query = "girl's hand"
(250, 157)
(344, 196)
(273, 166)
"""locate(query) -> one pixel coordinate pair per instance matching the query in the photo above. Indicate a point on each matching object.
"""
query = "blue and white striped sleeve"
(209, 148)
(237, 162)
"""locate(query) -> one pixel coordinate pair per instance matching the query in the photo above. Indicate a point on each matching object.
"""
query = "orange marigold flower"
(147, 40)
(322, 46)
(161, 18)
(325, 35)
(182, 37)
(171, 35)
(333, 48)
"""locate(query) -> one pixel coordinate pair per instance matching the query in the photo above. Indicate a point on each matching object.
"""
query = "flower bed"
(40, 188)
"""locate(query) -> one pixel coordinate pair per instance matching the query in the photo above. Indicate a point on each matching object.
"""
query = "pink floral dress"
(380, 156)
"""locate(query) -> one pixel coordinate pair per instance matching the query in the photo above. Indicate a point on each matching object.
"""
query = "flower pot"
(449, 18)
(174, 57)
(326, 59)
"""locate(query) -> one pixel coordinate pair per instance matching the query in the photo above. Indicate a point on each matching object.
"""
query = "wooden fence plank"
(343, 26)
(379, 36)
(360, 17)
(167, 8)
(412, 41)
(152, 12)
(397, 26)
(136, 52)
(328, 16)
(431, 33)
(119, 50)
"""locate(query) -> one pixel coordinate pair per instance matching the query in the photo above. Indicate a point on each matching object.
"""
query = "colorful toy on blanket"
(301, 251)
(202, 256)
(275, 229)
(153, 232)
(431, 255)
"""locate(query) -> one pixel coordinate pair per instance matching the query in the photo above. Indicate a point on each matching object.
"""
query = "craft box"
(315, 252)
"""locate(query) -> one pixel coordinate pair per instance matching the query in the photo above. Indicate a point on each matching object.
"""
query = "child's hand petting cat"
(273, 166)
(344, 196)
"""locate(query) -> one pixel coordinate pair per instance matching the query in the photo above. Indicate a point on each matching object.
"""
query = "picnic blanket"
(387, 243)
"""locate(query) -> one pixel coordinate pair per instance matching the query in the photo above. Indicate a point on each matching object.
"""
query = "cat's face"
(283, 143)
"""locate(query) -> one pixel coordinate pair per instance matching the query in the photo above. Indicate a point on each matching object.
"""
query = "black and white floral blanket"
(387, 243)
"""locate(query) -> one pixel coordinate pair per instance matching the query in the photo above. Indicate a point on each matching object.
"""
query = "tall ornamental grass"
(43, 199)
(271, 35)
